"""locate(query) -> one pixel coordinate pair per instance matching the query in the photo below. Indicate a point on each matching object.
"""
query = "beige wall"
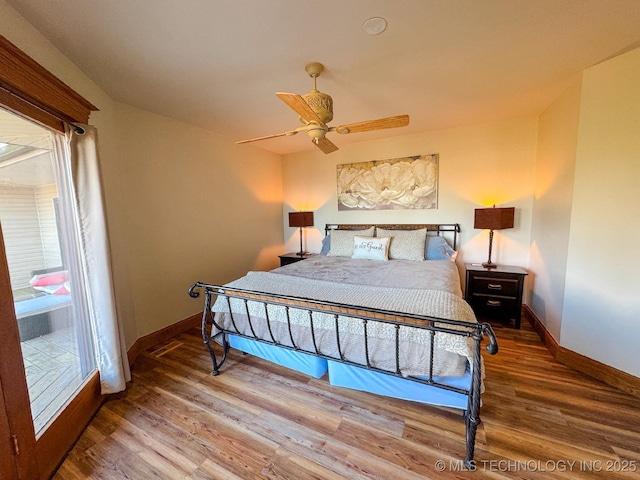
(553, 195)
(600, 318)
(479, 165)
(183, 204)
(188, 206)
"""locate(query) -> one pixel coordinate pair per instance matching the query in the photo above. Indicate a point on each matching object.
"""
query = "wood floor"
(540, 420)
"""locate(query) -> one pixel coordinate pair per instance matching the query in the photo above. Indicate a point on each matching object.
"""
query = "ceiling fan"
(316, 110)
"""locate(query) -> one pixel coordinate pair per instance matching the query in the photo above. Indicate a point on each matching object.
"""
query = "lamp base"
(488, 264)
(301, 254)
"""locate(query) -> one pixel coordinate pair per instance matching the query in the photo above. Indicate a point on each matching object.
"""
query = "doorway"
(41, 296)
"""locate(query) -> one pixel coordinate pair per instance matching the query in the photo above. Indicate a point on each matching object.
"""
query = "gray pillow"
(405, 244)
(341, 243)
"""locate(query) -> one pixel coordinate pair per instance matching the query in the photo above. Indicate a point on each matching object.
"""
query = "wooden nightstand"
(288, 258)
(495, 293)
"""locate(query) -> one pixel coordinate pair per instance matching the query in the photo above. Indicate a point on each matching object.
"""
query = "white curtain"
(80, 146)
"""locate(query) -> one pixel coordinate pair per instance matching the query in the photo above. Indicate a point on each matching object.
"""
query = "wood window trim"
(30, 90)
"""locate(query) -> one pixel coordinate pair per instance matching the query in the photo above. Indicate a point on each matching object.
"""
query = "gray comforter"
(359, 283)
(429, 275)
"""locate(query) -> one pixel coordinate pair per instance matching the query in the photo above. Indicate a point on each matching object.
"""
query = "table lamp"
(493, 219)
(301, 219)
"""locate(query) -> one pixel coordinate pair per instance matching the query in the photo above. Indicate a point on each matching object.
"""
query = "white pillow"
(405, 244)
(342, 241)
(372, 248)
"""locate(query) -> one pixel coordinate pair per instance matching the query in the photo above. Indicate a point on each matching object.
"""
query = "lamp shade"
(494, 218)
(301, 219)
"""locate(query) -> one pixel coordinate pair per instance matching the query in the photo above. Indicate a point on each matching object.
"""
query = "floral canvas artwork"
(396, 184)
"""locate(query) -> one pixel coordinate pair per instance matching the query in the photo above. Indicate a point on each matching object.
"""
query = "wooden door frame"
(8, 465)
(21, 439)
(31, 91)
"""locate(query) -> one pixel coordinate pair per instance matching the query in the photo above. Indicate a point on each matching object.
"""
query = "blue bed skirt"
(356, 378)
(301, 362)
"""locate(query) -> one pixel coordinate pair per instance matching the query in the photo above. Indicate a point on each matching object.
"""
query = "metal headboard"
(432, 228)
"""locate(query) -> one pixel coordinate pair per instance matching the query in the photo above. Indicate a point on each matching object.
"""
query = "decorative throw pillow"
(405, 244)
(342, 241)
(372, 248)
(47, 279)
(439, 249)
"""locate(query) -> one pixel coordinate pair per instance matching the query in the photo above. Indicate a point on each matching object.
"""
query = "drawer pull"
(493, 303)
(494, 286)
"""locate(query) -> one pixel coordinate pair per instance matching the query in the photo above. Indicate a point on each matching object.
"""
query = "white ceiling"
(218, 63)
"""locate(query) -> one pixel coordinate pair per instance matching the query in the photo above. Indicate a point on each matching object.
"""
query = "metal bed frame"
(212, 330)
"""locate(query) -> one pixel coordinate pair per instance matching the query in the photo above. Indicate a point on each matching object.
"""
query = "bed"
(380, 310)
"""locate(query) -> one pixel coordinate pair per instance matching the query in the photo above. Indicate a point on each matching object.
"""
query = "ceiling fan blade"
(284, 134)
(298, 105)
(368, 125)
(326, 145)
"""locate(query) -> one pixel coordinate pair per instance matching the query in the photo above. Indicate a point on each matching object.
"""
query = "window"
(43, 267)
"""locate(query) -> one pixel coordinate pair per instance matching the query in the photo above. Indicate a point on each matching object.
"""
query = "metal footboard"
(214, 331)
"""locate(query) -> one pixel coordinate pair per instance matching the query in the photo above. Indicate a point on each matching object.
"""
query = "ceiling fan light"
(374, 26)
(321, 104)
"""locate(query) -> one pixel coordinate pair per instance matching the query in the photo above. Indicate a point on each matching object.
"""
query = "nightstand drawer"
(495, 286)
(494, 305)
